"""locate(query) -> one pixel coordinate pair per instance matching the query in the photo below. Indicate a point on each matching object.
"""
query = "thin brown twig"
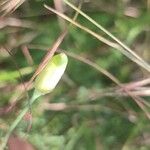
(92, 64)
(52, 50)
(60, 7)
(137, 84)
(83, 107)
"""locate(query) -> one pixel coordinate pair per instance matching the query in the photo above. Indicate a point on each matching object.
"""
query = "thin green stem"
(35, 95)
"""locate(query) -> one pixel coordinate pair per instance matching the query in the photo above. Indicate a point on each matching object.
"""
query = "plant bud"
(48, 78)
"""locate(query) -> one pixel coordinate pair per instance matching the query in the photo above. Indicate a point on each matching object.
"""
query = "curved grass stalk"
(145, 64)
(102, 39)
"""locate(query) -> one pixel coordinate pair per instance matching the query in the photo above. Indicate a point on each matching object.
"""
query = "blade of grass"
(134, 85)
(100, 38)
(109, 34)
(93, 65)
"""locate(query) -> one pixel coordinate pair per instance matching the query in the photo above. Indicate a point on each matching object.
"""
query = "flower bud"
(48, 78)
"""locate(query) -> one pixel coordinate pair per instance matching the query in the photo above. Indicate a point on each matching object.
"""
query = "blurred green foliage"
(85, 124)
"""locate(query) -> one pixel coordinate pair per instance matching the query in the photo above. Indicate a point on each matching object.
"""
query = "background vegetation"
(87, 110)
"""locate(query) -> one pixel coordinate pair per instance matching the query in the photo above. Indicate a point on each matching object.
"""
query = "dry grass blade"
(49, 55)
(137, 84)
(87, 107)
(93, 65)
(104, 40)
(59, 6)
(116, 46)
(8, 6)
(105, 93)
(125, 47)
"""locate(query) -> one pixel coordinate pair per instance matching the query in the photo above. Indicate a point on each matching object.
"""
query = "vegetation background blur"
(87, 110)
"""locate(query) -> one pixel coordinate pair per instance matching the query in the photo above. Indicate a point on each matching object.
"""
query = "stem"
(35, 95)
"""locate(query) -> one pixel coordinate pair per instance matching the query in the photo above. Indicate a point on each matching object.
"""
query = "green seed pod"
(48, 78)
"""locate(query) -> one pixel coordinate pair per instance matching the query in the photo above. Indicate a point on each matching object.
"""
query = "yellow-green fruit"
(48, 78)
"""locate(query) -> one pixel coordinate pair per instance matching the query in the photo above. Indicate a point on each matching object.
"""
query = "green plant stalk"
(35, 95)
